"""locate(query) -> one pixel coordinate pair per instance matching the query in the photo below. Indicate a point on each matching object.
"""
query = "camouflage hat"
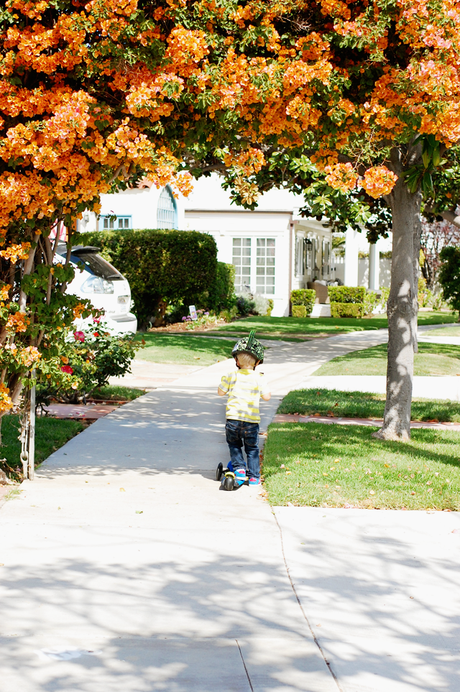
(249, 344)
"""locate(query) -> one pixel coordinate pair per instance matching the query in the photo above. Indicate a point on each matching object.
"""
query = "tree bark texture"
(402, 312)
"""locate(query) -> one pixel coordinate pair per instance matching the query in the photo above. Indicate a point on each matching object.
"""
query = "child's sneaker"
(254, 481)
(240, 477)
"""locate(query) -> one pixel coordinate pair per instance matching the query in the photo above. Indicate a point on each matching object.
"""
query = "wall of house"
(229, 226)
(140, 205)
(209, 209)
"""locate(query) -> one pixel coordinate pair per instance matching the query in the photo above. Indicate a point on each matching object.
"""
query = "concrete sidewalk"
(123, 567)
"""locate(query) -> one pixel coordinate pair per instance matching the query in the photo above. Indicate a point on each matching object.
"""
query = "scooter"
(227, 477)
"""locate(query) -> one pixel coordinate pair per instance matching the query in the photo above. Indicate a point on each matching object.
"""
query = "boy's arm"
(265, 393)
(223, 388)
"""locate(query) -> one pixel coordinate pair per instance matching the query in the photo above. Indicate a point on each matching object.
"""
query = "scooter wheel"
(219, 471)
(228, 483)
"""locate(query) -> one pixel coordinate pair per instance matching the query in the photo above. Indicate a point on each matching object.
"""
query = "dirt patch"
(181, 327)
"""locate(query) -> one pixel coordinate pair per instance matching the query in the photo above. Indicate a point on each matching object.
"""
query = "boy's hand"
(266, 397)
(221, 392)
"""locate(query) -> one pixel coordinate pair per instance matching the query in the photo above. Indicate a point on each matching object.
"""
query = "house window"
(242, 263)
(308, 245)
(326, 258)
(112, 222)
(254, 261)
(167, 209)
(265, 277)
(299, 256)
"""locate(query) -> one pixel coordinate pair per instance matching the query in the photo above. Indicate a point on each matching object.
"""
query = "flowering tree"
(71, 128)
(98, 93)
(367, 92)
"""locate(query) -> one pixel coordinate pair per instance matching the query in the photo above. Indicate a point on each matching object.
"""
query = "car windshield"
(96, 265)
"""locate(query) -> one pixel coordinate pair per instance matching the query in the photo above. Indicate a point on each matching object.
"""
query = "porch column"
(374, 267)
(351, 258)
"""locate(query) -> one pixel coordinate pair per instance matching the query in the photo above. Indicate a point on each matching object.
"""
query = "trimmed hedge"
(222, 296)
(346, 294)
(303, 297)
(347, 301)
(299, 311)
(162, 267)
(347, 310)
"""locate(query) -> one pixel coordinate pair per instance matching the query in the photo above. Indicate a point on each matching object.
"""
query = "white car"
(106, 288)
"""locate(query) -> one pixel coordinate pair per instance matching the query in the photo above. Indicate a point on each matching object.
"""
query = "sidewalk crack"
(244, 664)
(302, 609)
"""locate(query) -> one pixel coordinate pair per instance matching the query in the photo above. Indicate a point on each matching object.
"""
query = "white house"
(273, 249)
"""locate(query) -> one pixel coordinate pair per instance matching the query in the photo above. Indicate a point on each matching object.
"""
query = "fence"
(338, 270)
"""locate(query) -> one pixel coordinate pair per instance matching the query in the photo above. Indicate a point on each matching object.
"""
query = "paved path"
(123, 567)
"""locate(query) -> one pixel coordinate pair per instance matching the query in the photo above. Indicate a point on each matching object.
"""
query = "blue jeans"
(239, 433)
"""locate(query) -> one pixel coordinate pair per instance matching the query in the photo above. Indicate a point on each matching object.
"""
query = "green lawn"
(295, 327)
(116, 393)
(183, 348)
(331, 402)
(444, 331)
(50, 435)
(337, 466)
(432, 359)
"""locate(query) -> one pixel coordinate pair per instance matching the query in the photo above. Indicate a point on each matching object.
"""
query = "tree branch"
(448, 215)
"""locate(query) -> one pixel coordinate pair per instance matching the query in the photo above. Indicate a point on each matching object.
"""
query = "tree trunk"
(402, 311)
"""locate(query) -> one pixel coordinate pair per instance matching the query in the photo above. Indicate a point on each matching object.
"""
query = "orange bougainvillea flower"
(17, 322)
(379, 181)
(6, 403)
(341, 176)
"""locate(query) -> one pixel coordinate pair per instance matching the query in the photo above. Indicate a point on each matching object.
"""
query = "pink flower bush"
(79, 336)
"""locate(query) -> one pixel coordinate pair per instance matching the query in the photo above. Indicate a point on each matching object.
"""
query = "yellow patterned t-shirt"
(244, 388)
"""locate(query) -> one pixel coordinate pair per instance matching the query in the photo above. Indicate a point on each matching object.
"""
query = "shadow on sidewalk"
(195, 602)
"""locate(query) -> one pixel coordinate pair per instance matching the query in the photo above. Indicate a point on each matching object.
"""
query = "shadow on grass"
(183, 348)
(362, 405)
(311, 464)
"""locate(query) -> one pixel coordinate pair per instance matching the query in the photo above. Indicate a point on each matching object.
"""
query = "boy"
(244, 388)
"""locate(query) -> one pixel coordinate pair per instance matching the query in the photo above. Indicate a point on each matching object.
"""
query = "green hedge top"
(303, 296)
(346, 294)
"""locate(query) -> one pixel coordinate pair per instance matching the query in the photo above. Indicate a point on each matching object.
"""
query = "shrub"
(429, 299)
(299, 311)
(222, 295)
(373, 300)
(262, 305)
(162, 267)
(91, 356)
(384, 295)
(303, 297)
(204, 319)
(245, 304)
(346, 294)
(370, 302)
(347, 310)
(271, 305)
(229, 315)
